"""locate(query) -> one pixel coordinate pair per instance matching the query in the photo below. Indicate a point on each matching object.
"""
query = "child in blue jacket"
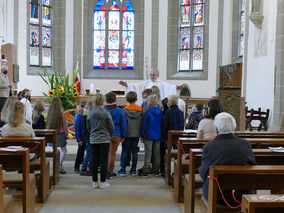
(79, 135)
(151, 136)
(119, 134)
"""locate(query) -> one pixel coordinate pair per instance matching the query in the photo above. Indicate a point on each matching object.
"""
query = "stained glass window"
(114, 35)
(41, 33)
(241, 27)
(191, 35)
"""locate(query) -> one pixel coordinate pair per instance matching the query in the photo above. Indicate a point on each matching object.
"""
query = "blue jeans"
(129, 147)
(149, 147)
(87, 159)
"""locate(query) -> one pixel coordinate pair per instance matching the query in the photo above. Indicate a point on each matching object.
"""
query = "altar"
(120, 99)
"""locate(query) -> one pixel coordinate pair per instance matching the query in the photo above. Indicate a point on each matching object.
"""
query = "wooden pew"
(6, 201)
(242, 178)
(263, 203)
(173, 136)
(51, 137)
(262, 157)
(36, 145)
(19, 160)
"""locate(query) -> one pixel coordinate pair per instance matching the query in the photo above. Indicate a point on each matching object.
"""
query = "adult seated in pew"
(37, 117)
(206, 127)
(16, 125)
(225, 149)
(4, 112)
(56, 120)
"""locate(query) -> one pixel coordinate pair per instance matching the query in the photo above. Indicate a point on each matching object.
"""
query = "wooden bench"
(173, 136)
(36, 145)
(51, 137)
(19, 160)
(6, 201)
(241, 178)
(256, 115)
(262, 157)
(263, 203)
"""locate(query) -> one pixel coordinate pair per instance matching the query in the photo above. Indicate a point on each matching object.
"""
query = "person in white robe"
(166, 89)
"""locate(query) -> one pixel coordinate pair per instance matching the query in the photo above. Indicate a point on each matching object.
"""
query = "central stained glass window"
(191, 35)
(114, 35)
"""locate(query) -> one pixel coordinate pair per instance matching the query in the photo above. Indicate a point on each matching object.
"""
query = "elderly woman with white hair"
(225, 149)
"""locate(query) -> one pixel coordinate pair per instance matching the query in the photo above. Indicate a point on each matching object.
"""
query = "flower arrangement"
(60, 87)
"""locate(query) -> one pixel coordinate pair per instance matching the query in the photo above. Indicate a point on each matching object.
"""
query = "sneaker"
(133, 173)
(113, 174)
(144, 175)
(121, 173)
(95, 185)
(62, 171)
(157, 174)
(104, 185)
(77, 170)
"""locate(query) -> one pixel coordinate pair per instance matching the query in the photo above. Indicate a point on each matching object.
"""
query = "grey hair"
(225, 123)
(173, 99)
(152, 100)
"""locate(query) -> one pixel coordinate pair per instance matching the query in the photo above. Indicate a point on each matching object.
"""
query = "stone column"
(278, 112)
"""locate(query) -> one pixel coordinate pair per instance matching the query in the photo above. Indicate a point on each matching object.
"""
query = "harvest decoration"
(60, 87)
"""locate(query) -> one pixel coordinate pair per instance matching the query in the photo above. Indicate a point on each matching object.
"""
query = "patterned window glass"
(40, 33)
(241, 27)
(191, 35)
(114, 35)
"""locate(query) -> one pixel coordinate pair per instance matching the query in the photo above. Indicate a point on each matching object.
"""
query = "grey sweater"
(100, 124)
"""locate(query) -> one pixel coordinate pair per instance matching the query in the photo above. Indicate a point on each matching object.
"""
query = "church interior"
(196, 50)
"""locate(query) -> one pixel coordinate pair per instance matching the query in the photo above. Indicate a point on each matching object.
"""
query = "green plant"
(60, 87)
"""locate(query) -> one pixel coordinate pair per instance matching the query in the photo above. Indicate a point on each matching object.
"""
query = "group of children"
(108, 126)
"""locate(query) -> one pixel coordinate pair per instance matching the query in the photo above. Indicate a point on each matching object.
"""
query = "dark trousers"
(162, 155)
(130, 146)
(80, 155)
(99, 154)
(2, 102)
(125, 157)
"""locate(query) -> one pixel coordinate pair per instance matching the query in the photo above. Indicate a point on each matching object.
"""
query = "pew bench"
(19, 160)
(51, 137)
(262, 157)
(241, 178)
(263, 203)
(6, 201)
(35, 145)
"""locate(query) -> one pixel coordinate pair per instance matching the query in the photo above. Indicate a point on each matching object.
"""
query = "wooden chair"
(51, 137)
(262, 157)
(242, 178)
(263, 203)
(36, 145)
(6, 201)
(19, 160)
(256, 115)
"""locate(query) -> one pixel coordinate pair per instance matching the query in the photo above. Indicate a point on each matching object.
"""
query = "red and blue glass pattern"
(117, 51)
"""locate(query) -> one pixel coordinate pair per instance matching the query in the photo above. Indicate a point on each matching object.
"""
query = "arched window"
(113, 35)
(40, 33)
(241, 28)
(191, 35)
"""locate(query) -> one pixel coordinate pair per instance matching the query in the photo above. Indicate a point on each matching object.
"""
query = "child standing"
(134, 118)
(119, 134)
(151, 136)
(79, 135)
(56, 120)
(101, 127)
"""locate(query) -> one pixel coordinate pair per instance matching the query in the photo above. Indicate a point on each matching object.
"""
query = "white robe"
(166, 89)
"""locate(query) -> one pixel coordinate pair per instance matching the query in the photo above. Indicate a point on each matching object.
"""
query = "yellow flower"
(76, 94)
(58, 87)
(92, 94)
(51, 93)
(74, 86)
(61, 90)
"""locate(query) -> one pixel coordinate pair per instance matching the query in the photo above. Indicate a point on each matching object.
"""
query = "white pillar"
(227, 32)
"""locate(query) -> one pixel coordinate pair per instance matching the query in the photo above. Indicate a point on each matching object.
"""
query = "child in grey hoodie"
(101, 127)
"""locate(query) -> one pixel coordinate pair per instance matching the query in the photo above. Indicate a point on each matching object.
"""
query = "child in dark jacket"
(195, 117)
(134, 118)
(79, 135)
(151, 136)
(119, 134)
(37, 117)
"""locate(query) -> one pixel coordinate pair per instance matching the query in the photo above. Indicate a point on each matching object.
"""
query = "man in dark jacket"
(225, 149)
(151, 135)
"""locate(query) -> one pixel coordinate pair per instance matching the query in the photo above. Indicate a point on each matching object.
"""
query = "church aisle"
(129, 194)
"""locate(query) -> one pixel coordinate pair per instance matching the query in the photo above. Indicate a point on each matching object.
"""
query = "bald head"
(154, 74)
